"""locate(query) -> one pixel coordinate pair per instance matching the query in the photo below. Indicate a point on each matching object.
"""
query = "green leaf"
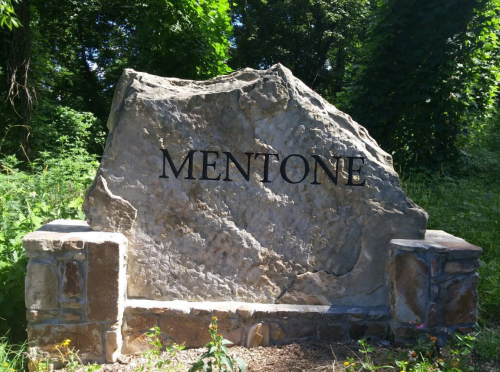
(197, 366)
(241, 364)
(75, 203)
(227, 362)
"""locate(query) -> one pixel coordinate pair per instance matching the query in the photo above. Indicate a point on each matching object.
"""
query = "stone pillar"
(433, 281)
(75, 289)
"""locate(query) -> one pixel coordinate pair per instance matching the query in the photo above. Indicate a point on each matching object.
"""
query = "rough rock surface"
(203, 226)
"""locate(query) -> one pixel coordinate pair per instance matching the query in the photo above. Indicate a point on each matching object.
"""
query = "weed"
(217, 357)
(427, 357)
(367, 363)
(350, 365)
(69, 357)
(154, 361)
(65, 355)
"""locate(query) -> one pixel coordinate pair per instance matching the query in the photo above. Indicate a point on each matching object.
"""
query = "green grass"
(11, 356)
(487, 344)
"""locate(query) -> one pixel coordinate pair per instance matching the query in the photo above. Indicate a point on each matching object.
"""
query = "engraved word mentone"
(354, 165)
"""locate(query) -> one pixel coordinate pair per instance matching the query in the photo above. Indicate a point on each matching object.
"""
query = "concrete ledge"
(65, 235)
(440, 242)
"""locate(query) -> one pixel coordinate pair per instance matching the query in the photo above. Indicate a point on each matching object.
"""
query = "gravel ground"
(307, 357)
(312, 356)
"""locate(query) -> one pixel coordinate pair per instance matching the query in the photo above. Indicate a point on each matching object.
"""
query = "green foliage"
(53, 188)
(428, 70)
(182, 38)
(217, 357)
(84, 49)
(7, 15)
(71, 131)
(153, 356)
(318, 40)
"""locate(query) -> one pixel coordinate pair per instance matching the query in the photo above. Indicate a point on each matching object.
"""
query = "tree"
(428, 69)
(81, 47)
(317, 39)
(92, 42)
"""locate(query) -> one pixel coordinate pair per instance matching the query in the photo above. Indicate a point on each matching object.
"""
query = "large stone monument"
(251, 198)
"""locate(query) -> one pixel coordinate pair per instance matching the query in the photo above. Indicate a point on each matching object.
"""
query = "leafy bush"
(52, 188)
(68, 130)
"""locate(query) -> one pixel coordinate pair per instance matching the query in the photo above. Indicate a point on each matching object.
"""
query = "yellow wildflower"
(346, 363)
(66, 342)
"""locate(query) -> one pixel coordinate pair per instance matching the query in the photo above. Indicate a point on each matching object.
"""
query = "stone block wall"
(248, 324)
(435, 282)
(75, 289)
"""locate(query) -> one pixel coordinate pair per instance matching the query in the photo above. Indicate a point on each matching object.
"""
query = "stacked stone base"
(75, 289)
(435, 282)
(247, 324)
